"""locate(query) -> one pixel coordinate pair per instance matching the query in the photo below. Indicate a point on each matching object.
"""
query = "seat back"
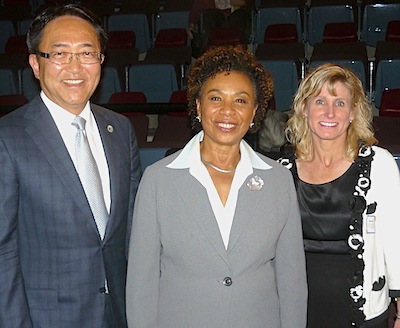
(172, 132)
(140, 123)
(286, 80)
(156, 81)
(390, 103)
(132, 22)
(375, 21)
(393, 31)
(222, 36)
(121, 40)
(387, 77)
(134, 97)
(13, 100)
(340, 32)
(276, 15)
(8, 83)
(29, 84)
(7, 29)
(16, 44)
(171, 38)
(357, 66)
(319, 16)
(170, 19)
(23, 26)
(109, 84)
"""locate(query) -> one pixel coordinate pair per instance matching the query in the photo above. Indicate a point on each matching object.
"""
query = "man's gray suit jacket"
(53, 264)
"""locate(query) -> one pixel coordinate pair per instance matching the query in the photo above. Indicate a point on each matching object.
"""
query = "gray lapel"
(202, 213)
(108, 132)
(246, 210)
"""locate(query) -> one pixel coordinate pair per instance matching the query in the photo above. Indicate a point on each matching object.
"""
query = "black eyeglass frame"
(77, 54)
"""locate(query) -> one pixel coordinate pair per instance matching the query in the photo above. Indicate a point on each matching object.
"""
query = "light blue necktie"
(90, 176)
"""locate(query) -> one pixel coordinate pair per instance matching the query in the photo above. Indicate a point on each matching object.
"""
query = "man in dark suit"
(61, 263)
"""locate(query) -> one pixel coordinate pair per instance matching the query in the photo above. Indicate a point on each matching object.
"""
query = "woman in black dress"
(349, 194)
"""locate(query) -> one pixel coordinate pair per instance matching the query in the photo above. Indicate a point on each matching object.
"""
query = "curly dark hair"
(226, 59)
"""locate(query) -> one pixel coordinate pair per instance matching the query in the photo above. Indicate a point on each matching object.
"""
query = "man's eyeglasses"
(63, 57)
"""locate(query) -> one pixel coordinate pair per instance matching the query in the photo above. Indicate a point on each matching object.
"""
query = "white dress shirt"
(63, 120)
(190, 158)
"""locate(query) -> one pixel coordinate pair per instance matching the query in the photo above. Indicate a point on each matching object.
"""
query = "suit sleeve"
(144, 259)
(14, 311)
(136, 173)
(290, 267)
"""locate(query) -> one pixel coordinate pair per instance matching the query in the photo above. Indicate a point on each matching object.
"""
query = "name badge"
(371, 223)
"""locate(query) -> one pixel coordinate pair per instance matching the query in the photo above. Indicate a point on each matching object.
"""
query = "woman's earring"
(351, 121)
(198, 118)
(251, 125)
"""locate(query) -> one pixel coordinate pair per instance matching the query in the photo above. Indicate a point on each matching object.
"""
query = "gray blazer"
(181, 276)
(53, 263)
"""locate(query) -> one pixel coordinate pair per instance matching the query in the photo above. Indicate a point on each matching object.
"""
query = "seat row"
(369, 22)
(158, 81)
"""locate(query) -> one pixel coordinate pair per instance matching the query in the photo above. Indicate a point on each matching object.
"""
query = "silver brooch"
(255, 183)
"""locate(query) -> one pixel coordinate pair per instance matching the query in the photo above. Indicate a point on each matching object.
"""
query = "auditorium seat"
(30, 86)
(140, 123)
(386, 78)
(156, 81)
(172, 132)
(7, 29)
(267, 16)
(222, 36)
(281, 33)
(375, 21)
(340, 32)
(133, 97)
(179, 96)
(121, 40)
(8, 83)
(286, 80)
(171, 38)
(393, 31)
(352, 55)
(16, 100)
(390, 103)
(319, 16)
(109, 84)
(16, 44)
(136, 22)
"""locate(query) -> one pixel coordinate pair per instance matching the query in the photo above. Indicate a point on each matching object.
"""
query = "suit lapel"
(203, 215)
(246, 210)
(46, 136)
(107, 128)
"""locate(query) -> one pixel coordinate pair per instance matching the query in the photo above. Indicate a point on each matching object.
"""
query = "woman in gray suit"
(216, 238)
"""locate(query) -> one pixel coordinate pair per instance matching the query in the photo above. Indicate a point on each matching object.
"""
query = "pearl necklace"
(217, 168)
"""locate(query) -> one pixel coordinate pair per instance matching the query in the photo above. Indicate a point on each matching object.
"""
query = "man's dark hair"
(35, 32)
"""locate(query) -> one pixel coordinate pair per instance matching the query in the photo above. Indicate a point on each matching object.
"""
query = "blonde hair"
(359, 131)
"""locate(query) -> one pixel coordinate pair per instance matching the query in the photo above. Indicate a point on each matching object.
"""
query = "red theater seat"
(340, 32)
(280, 33)
(390, 103)
(121, 40)
(393, 31)
(13, 100)
(133, 97)
(171, 37)
(226, 36)
(16, 45)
